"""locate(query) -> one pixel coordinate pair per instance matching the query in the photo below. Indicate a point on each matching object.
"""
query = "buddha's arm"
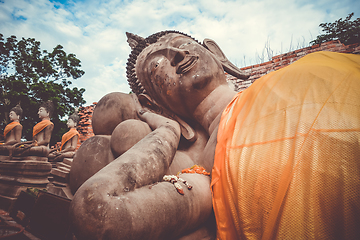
(17, 131)
(71, 144)
(47, 136)
(27, 144)
(121, 202)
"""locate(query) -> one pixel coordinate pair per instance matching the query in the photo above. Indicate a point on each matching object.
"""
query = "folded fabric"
(287, 161)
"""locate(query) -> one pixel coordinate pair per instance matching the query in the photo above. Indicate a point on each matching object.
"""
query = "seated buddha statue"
(12, 132)
(39, 146)
(69, 141)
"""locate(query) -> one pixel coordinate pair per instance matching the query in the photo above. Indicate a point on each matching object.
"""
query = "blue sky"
(95, 30)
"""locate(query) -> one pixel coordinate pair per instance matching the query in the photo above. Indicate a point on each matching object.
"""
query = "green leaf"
(346, 31)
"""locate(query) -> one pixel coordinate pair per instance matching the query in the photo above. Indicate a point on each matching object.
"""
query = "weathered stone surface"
(16, 176)
(6, 202)
(63, 165)
(32, 158)
(59, 183)
(4, 158)
(93, 155)
(68, 161)
(60, 173)
(126, 134)
(22, 165)
(63, 191)
(111, 110)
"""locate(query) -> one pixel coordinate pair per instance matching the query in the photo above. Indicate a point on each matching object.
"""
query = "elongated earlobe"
(227, 65)
(186, 130)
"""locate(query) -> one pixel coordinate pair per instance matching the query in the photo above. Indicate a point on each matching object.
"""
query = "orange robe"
(67, 136)
(40, 126)
(10, 127)
(287, 161)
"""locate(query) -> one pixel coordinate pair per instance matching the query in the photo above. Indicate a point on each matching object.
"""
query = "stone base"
(17, 176)
(61, 173)
(62, 191)
(32, 158)
(4, 158)
(63, 166)
(68, 161)
(6, 202)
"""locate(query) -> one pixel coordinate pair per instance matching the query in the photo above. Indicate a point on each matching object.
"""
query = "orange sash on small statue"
(67, 136)
(40, 126)
(10, 127)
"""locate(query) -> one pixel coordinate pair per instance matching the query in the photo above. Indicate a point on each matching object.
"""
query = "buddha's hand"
(17, 145)
(155, 120)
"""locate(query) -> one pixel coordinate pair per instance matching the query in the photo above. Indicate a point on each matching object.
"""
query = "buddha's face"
(71, 123)
(13, 116)
(43, 113)
(179, 73)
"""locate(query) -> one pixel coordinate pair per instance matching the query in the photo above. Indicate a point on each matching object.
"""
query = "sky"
(94, 30)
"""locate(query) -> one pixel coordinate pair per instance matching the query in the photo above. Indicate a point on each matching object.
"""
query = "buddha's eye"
(185, 44)
(156, 64)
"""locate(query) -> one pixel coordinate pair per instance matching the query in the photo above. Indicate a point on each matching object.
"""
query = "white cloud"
(95, 31)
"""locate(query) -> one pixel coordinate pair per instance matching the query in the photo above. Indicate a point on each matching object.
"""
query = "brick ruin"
(283, 60)
(84, 125)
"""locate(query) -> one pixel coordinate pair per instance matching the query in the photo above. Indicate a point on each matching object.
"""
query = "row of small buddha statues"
(30, 163)
(38, 148)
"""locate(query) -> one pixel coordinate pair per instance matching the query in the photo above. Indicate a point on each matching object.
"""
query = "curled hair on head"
(49, 107)
(18, 110)
(134, 82)
(75, 117)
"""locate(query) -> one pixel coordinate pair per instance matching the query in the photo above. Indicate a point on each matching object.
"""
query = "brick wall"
(84, 125)
(282, 60)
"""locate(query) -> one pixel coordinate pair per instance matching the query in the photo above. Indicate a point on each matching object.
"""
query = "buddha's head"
(73, 120)
(175, 71)
(46, 109)
(15, 113)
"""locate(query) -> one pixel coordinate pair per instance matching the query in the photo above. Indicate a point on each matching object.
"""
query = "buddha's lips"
(186, 64)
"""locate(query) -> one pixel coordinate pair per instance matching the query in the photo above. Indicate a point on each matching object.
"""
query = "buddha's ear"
(186, 130)
(227, 65)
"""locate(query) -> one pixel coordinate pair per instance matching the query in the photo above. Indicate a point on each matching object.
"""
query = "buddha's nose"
(178, 56)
